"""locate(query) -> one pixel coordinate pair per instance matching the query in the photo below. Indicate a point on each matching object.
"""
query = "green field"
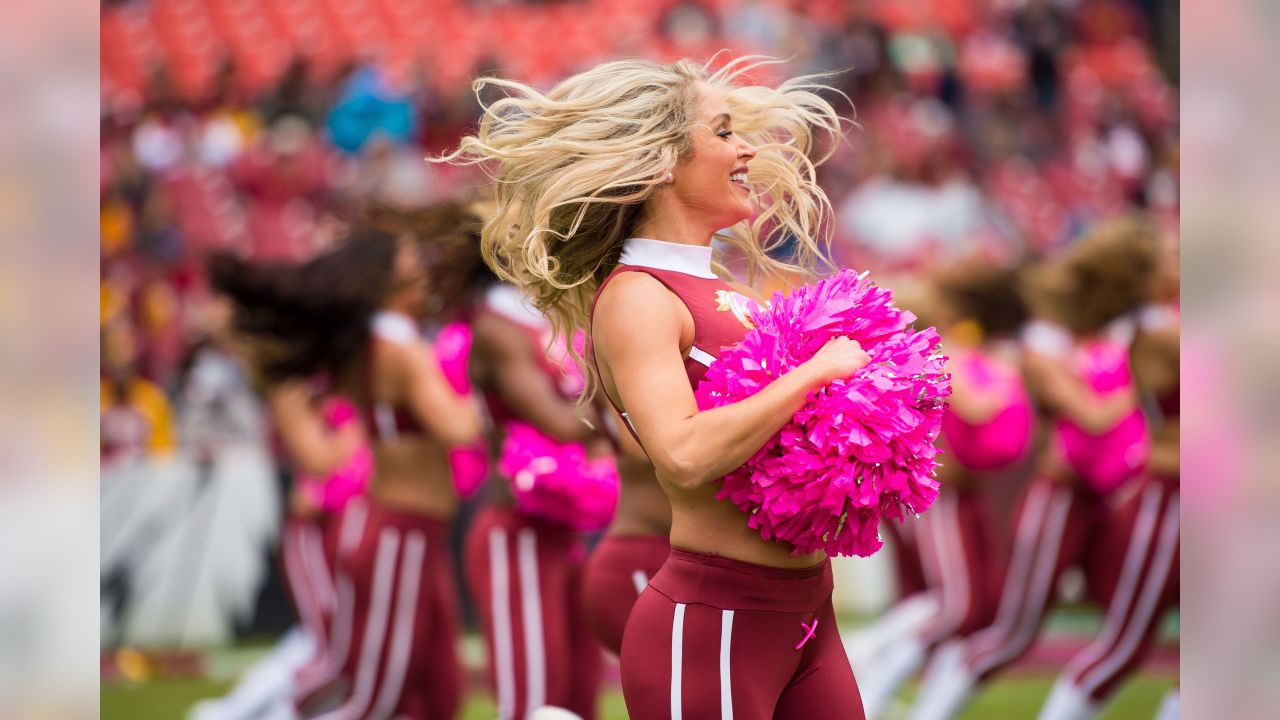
(1010, 699)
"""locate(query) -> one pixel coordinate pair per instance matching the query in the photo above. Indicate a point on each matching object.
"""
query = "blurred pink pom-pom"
(1107, 459)
(453, 352)
(858, 450)
(470, 467)
(558, 481)
(333, 492)
(469, 464)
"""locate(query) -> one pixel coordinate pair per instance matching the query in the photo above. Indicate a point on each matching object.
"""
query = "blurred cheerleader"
(351, 315)
(1145, 527)
(523, 569)
(523, 565)
(634, 546)
(1077, 365)
(987, 429)
(610, 188)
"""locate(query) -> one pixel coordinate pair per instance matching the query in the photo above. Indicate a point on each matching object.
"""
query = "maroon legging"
(718, 638)
(525, 577)
(617, 571)
(398, 597)
(1127, 544)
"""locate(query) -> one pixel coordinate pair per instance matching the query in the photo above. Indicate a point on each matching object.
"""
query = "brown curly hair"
(1111, 271)
(984, 292)
(448, 237)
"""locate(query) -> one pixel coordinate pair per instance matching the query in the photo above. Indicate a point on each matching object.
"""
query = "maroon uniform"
(525, 573)
(619, 569)
(710, 636)
(308, 557)
(395, 637)
(401, 656)
(1060, 524)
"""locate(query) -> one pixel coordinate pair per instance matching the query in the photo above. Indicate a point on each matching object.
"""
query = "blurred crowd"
(1004, 127)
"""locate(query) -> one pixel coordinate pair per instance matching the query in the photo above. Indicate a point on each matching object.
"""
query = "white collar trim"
(507, 301)
(692, 260)
(395, 327)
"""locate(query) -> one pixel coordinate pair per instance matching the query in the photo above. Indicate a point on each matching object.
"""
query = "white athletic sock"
(1068, 702)
(947, 687)
(865, 645)
(550, 712)
(898, 664)
(1171, 706)
(266, 681)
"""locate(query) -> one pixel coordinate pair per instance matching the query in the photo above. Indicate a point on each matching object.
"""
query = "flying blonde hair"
(574, 166)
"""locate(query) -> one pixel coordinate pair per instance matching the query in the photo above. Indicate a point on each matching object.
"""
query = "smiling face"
(712, 177)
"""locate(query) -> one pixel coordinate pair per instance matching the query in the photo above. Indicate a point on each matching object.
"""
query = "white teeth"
(738, 177)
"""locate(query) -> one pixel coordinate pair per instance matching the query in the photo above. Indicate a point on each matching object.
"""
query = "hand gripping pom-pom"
(352, 477)
(558, 481)
(469, 464)
(858, 450)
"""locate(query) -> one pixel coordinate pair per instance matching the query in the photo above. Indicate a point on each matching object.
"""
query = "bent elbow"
(682, 470)
(465, 429)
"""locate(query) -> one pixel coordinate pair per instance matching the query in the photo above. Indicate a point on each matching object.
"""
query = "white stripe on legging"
(1130, 573)
(1024, 551)
(677, 662)
(927, 549)
(1151, 591)
(535, 661)
(1041, 583)
(300, 585)
(375, 628)
(944, 532)
(317, 567)
(726, 687)
(343, 621)
(500, 609)
(639, 580)
(402, 637)
(353, 520)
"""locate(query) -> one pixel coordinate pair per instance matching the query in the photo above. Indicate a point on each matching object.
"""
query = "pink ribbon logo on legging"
(809, 630)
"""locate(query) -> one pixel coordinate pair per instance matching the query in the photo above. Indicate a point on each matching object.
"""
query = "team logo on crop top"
(738, 304)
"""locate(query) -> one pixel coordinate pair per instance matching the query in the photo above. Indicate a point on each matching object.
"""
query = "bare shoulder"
(631, 298)
(637, 304)
(498, 336)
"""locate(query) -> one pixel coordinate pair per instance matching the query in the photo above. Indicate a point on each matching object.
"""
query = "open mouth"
(739, 177)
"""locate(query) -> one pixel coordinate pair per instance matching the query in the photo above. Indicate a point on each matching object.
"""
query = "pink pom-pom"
(453, 352)
(558, 481)
(333, 492)
(1004, 438)
(1106, 460)
(469, 464)
(859, 449)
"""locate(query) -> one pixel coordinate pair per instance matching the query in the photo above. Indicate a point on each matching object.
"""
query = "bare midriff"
(701, 523)
(643, 508)
(413, 474)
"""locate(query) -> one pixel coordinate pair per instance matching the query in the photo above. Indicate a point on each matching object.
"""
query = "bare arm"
(1067, 395)
(515, 374)
(970, 405)
(638, 329)
(453, 418)
(1165, 444)
(316, 448)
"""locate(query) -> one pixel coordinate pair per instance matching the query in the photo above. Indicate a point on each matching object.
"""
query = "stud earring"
(670, 178)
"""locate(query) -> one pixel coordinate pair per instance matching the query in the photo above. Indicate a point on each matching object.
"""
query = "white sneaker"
(946, 690)
(1068, 702)
(549, 712)
(898, 664)
(1171, 706)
